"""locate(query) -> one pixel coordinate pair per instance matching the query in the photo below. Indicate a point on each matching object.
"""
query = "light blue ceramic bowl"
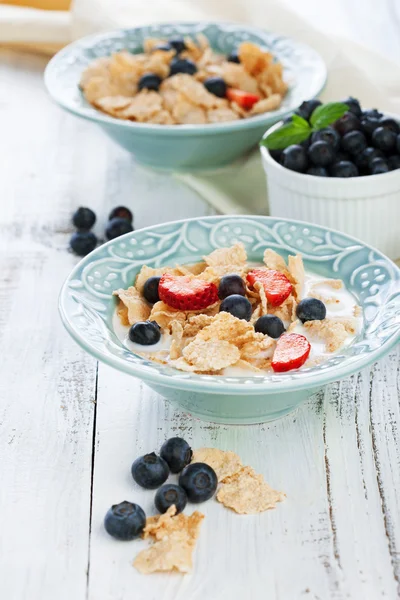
(185, 146)
(86, 308)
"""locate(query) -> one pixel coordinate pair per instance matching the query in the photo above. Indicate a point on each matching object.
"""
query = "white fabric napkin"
(352, 70)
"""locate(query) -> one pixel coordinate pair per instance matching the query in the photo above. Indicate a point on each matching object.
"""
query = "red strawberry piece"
(185, 293)
(291, 352)
(243, 99)
(276, 285)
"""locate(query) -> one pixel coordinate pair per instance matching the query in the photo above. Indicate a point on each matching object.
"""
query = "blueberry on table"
(199, 482)
(349, 122)
(122, 212)
(307, 108)
(182, 65)
(150, 289)
(384, 139)
(178, 44)
(321, 154)
(327, 134)
(145, 333)
(369, 124)
(149, 81)
(394, 162)
(391, 124)
(295, 158)
(344, 168)
(317, 171)
(354, 142)
(378, 166)
(270, 325)
(150, 471)
(230, 285)
(84, 218)
(169, 494)
(177, 454)
(117, 227)
(83, 242)
(354, 105)
(125, 521)
(238, 306)
(311, 309)
(216, 86)
(233, 57)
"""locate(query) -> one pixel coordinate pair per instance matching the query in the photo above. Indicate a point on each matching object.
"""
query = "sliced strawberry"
(243, 99)
(291, 352)
(276, 285)
(185, 293)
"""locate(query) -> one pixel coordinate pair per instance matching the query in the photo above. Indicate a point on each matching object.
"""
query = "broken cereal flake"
(286, 311)
(261, 347)
(159, 526)
(186, 113)
(333, 331)
(113, 104)
(221, 114)
(274, 261)
(247, 366)
(263, 298)
(142, 107)
(177, 335)
(223, 462)
(235, 255)
(122, 313)
(257, 312)
(195, 324)
(214, 274)
(212, 355)
(97, 68)
(266, 104)
(225, 326)
(162, 117)
(138, 309)
(254, 59)
(296, 270)
(246, 492)
(236, 76)
(164, 314)
(195, 269)
(161, 356)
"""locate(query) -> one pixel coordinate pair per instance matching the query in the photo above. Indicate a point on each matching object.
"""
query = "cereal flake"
(138, 309)
(224, 463)
(246, 492)
(211, 355)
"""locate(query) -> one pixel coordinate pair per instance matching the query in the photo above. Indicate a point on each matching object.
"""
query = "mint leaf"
(297, 120)
(326, 114)
(288, 134)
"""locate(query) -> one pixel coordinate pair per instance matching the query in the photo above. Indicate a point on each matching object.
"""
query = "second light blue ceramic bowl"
(87, 305)
(183, 147)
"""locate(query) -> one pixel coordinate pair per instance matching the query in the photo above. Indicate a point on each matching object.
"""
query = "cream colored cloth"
(353, 70)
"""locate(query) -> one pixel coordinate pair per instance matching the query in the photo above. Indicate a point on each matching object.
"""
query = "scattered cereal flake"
(246, 492)
(266, 104)
(357, 310)
(333, 331)
(164, 314)
(225, 326)
(263, 298)
(274, 261)
(175, 541)
(235, 255)
(122, 313)
(211, 355)
(223, 462)
(195, 324)
(296, 270)
(138, 309)
(236, 76)
(254, 60)
(222, 114)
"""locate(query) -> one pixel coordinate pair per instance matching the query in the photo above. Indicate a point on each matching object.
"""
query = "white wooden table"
(70, 428)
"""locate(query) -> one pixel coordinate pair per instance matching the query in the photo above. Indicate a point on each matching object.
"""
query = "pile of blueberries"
(84, 240)
(215, 85)
(359, 143)
(197, 483)
(232, 292)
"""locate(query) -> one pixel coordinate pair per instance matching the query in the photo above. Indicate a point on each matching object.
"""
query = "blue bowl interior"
(86, 303)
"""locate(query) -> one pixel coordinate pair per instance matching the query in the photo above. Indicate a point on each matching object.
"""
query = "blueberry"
(391, 124)
(150, 471)
(362, 161)
(199, 482)
(384, 139)
(306, 143)
(317, 171)
(150, 289)
(327, 134)
(378, 166)
(340, 155)
(163, 47)
(311, 309)
(369, 124)
(270, 325)
(149, 81)
(233, 57)
(344, 168)
(122, 212)
(394, 162)
(178, 44)
(83, 242)
(321, 154)
(182, 65)
(237, 305)
(117, 227)
(354, 105)
(349, 122)
(276, 155)
(295, 158)
(170, 494)
(231, 284)
(373, 113)
(145, 333)
(177, 454)
(216, 86)
(307, 108)
(84, 218)
(125, 521)
(354, 142)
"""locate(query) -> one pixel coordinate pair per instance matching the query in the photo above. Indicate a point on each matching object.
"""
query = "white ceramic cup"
(366, 207)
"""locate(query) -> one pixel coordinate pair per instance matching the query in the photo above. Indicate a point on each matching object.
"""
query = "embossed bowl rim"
(93, 114)
(210, 383)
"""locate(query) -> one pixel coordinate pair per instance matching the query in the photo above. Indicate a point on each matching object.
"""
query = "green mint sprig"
(299, 130)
